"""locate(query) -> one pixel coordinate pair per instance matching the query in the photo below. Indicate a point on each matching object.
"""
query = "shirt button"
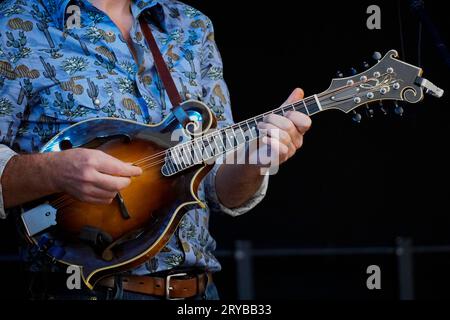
(188, 96)
(97, 102)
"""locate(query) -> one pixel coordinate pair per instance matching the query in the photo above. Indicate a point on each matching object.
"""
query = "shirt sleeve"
(5, 155)
(12, 105)
(217, 97)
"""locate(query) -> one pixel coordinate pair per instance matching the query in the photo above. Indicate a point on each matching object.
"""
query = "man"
(55, 73)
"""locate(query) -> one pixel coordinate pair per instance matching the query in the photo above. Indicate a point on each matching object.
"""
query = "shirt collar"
(137, 8)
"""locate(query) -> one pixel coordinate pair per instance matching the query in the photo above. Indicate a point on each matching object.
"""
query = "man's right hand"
(90, 176)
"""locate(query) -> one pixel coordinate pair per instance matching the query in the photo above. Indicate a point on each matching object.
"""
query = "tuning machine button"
(370, 112)
(356, 117)
(377, 56)
(382, 108)
(384, 90)
(398, 109)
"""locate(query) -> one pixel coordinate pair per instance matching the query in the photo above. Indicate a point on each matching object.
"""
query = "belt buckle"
(169, 288)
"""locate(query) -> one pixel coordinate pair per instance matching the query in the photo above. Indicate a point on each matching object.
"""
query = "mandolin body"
(126, 233)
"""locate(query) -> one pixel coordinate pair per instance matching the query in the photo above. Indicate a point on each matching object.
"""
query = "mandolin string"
(202, 139)
(66, 200)
(60, 200)
(238, 125)
(146, 161)
(294, 105)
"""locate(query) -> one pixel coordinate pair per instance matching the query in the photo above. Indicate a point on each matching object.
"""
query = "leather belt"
(172, 287)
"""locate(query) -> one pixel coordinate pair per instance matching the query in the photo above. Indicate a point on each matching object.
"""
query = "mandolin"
(106, 239)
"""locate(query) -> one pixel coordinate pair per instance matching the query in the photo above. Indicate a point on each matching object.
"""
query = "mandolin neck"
(220, 142)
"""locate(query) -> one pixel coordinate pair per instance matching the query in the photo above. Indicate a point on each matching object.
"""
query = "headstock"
(389, 80)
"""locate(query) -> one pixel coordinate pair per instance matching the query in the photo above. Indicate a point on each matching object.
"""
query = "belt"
(176, 286)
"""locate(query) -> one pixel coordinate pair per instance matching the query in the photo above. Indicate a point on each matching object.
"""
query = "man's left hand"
(284, 134)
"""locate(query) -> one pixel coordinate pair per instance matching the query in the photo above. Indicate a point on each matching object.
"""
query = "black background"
(351, 185)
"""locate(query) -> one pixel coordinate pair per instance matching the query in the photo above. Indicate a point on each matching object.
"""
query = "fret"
(318, 102)
(313, 107)
(215, 142)
(190, 154)
(233, 141)
(249, 129)
(198, 159)
(242, 132)
(169, 163)
(244, 135)
(222, 141)
(200, 149)
(256, 128)
(306, 108)
(195, 159)
(205, 154)
(210, 155)
(184, 156)
(239, 140)
(177, 159)
(228, 139)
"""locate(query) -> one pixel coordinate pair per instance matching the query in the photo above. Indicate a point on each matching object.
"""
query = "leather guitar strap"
(164, 73)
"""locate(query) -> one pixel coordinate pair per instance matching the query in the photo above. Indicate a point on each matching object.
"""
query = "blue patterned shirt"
(52, 76)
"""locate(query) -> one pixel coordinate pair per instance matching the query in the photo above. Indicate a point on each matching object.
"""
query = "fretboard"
(222, 141)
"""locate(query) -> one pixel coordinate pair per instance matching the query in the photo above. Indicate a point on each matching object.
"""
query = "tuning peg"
(353, 71)
(339, 74)
(398, 109)
(382, 108)
(356, 117)
(365, 65)
(377, 56)
(370, 112)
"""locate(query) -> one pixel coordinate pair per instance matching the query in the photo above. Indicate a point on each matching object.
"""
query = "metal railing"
(404, 250)
(244, 255)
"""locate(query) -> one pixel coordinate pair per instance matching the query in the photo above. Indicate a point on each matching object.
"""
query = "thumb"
(295, 96)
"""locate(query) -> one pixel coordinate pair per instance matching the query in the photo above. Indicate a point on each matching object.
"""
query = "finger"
(99, 193)
(301, 121)
(115, 167)
(284, 124)
(110, 183)
(97, 201)
(274, 132)
(277, 149)
(270, 130)
(295, 96)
